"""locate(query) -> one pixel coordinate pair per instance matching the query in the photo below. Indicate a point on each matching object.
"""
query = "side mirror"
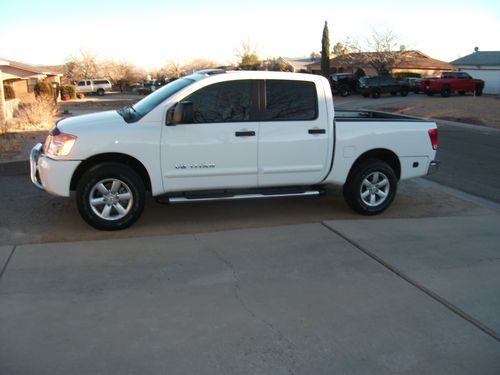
(182, 113)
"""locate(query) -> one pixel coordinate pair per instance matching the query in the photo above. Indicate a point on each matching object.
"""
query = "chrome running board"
(242, 196)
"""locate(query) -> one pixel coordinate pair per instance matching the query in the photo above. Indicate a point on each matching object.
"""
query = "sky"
(150, 33)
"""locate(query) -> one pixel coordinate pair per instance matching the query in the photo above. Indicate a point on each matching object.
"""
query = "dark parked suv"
(377, 85)
(343, 83)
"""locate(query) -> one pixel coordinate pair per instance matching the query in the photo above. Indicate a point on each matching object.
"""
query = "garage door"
(490, 77)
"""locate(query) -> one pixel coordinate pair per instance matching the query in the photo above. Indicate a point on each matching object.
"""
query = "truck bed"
(361, 115)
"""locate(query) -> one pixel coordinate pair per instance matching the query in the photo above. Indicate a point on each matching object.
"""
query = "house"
(21, 79)
(483, 65)
(401, 62)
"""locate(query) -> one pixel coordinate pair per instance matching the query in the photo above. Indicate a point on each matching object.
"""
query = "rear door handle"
(317, 131)
(245, 133)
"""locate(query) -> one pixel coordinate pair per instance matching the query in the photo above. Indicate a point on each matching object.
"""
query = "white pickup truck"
(230, 135)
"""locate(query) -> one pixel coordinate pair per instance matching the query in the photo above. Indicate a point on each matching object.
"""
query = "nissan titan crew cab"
(230, 135)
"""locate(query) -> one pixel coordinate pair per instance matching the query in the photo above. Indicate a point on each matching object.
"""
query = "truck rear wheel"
(110, 196)
(371, 187)
(403, 91)
(445, 91)
(100, 92)
(479, 90)
(375, 93)
(344, 90)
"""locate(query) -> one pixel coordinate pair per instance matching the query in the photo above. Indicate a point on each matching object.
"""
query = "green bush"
(144, 91)
(43, 88)
(402, 75)
(8, 92)
(69, 90)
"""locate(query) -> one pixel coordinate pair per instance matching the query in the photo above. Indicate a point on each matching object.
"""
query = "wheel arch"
(128, 160)
(383, 154)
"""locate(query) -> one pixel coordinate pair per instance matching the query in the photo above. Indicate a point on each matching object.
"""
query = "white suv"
(95, 86)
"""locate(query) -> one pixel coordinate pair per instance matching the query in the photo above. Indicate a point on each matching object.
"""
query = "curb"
(15, 168)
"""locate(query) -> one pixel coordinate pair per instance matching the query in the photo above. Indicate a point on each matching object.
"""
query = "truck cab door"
(217, 149)
(294, 135)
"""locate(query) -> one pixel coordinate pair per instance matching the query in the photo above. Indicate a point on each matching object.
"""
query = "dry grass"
(483, 110)
(30, 119)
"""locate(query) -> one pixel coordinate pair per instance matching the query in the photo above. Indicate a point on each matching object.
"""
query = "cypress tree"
(325, 51)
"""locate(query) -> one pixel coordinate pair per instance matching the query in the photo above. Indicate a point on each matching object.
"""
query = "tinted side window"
(101, 82)
(222, 102)
(291, 100)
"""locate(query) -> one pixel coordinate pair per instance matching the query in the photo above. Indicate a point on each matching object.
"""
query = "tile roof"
(479, 58)
(27, 67)
(404, 60)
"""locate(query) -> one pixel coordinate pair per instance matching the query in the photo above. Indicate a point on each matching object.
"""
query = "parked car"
(451, 82)
(377, 85)
(343, 83)
(94, 86)
(235, 135)
(413, 84)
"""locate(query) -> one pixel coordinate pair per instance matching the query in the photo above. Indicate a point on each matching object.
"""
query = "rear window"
(290, 100)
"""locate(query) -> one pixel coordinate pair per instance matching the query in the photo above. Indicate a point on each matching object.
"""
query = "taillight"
(433, 135)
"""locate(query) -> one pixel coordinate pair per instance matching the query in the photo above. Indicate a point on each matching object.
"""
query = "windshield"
(144, 106)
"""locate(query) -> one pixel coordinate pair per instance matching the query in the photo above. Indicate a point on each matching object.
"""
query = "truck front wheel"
(110, 196)
(371, 187)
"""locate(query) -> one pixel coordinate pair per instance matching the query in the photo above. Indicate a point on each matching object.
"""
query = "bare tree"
(121, 72)
(382, 44)
(199, 64)
(84, 65)
(172, 70)
(315, 55)
(247, 56)
(277, 64)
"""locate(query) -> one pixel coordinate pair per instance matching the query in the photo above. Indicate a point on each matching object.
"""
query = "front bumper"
(34, 155)
(53, 176)
(433, 167)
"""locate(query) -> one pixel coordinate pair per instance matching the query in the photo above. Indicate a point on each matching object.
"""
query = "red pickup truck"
(451, 82)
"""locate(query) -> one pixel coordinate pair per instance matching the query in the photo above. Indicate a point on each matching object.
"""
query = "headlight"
(59, 144)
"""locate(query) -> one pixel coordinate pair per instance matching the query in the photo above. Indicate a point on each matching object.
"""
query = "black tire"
(445, 91)
(100, 92)
(403, 91)
(416, 91)
(365, 95)
(128, 183)
(355, 187)
(375, 93)
(344, 90)
(479, 90)
(429, 93)
(462, 93)
(394, 93)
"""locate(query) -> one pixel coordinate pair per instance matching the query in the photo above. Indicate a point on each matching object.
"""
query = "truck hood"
(76, 124)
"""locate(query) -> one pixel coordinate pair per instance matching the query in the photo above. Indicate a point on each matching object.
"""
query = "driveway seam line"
(4, 268)
(462, 314)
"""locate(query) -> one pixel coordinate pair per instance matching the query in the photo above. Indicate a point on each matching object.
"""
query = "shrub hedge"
(43, 88)
(69, 90)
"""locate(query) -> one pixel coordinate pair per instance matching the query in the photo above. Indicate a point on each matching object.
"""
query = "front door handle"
(317, 131)
(244, 133)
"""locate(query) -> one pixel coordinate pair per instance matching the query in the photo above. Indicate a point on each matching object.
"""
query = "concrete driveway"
(335, 297)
